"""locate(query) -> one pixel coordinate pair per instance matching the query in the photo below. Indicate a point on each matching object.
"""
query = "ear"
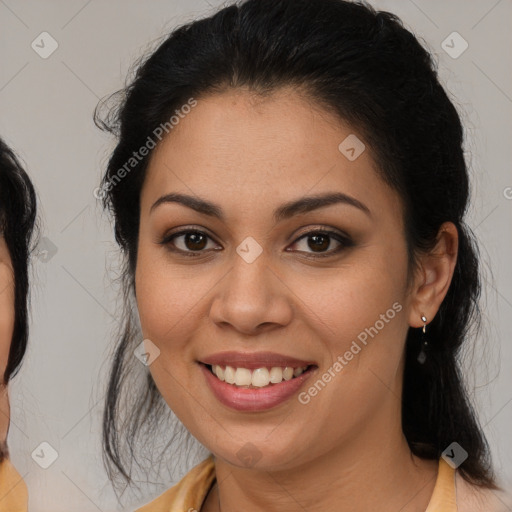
(434, 276)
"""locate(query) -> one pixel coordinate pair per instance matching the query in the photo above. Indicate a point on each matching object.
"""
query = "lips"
(248, 397)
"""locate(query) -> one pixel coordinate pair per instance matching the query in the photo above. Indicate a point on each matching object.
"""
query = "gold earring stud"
(424, 320)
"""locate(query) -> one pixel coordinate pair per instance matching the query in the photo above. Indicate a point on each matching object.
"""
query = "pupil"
(317, 244)
(192, 241)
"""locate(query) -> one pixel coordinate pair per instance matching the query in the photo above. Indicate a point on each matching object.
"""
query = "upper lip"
(254, 360)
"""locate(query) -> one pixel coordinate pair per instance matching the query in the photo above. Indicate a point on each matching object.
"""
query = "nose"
(252, 297)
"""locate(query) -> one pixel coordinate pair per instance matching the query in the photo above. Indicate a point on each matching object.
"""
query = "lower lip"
(254, 399)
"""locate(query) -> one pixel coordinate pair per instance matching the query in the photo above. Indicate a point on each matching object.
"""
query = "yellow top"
(13, 490)
(190, 492)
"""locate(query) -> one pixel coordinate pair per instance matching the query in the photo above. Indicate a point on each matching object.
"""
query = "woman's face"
(250, 284)
(6, 328)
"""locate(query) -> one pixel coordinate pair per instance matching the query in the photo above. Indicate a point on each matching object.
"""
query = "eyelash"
(345, 242)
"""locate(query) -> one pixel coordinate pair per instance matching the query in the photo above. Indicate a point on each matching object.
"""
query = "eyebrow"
(285, 211)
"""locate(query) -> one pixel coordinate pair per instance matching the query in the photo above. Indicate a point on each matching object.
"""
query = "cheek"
(164, 308)
(358, 314)
(348, 301)
(161, 302)
(169, 301)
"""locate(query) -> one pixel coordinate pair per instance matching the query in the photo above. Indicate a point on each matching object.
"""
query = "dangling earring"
(422, 357)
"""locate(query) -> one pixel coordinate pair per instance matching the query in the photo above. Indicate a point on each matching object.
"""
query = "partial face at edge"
(6, 328)
(250, 157)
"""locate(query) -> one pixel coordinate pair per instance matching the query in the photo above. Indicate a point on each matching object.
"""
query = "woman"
(289, 190)
(17, 219)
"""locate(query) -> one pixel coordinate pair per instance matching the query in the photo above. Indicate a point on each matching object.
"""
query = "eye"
(191, 241)
(319, 241)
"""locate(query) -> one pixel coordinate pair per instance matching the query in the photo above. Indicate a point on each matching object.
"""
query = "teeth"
(287, 373)
(276, 375)
(259, 377)
(229, 374)
(243, 377)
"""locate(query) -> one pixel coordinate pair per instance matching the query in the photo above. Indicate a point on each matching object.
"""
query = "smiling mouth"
(257, 378)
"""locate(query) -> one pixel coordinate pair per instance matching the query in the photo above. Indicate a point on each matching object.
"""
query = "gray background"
(46, 110)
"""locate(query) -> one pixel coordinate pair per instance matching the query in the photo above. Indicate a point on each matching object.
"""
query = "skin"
(345, 450)
(6, 331)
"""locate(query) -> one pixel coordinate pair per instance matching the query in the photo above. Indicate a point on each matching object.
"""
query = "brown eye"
(195, 241)
(320, 241)
(187, 242)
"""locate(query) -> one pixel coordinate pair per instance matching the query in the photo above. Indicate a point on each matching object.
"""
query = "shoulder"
(472, 498)
(189, 493)
(13, 490)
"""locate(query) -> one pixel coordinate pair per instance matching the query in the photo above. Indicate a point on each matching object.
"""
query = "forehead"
(243, 148)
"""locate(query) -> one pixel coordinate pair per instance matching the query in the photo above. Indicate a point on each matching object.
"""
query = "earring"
(422, 357)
